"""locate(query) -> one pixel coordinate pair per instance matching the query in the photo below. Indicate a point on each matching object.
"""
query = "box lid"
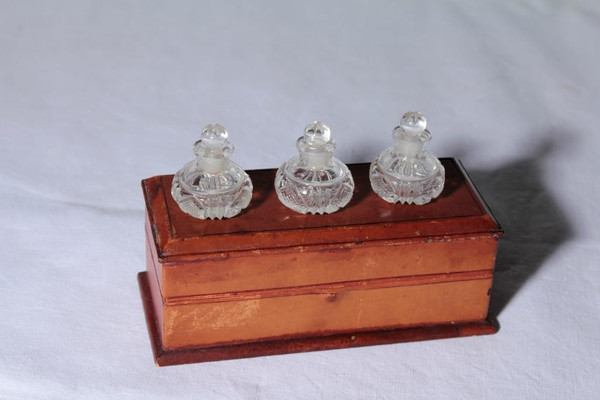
(268, 224)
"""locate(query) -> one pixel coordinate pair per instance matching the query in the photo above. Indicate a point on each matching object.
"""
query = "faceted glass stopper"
(407, 172)
(317, 134)
(413, 123)
(212, 186)
(314, 181)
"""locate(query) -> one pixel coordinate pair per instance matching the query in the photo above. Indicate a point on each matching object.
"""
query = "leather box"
(272, 281)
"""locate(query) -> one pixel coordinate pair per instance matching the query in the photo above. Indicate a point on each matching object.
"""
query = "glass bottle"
(407, 172)
(314, 181)
(212, 186)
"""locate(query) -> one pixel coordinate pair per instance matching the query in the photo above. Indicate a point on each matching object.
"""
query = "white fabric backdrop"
(95, 96)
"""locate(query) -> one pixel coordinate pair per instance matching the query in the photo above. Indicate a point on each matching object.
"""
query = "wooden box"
(272, 281)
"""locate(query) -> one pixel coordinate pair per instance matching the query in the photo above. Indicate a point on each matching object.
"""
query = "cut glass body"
(407, 172)
(314, 181)
(212, 186)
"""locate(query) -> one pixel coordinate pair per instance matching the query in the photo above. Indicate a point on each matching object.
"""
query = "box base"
(163, 357)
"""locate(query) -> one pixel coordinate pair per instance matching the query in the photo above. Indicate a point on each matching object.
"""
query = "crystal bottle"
(314, 181)
(407, 172)
(212, 186)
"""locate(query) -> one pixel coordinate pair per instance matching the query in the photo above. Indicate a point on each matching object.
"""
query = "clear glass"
(407, 172)
(314, 181)
(212, 186)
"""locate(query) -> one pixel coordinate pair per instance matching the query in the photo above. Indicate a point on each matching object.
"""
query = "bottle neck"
(409, 148)
(316, 160)
(213, 165)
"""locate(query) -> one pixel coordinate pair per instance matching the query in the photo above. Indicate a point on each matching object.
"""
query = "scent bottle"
(212, 186)
(407, 172)
(314, 181)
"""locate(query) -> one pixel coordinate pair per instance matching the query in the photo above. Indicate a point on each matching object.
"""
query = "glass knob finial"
(413, 122)
(214, 136)
(317, 134)
(314, 181)
(212, 186)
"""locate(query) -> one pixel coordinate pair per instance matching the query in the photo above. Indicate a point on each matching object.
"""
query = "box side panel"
(308, 266)
(151, 254)
(207, 324)
(154, 286)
